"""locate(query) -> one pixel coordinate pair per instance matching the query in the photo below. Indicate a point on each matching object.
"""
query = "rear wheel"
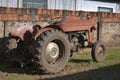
(98, 51)
(52, 51)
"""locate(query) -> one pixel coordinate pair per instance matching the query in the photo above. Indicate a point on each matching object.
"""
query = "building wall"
(24, 3)
(93, 5)
(9, 3)
(80, 5)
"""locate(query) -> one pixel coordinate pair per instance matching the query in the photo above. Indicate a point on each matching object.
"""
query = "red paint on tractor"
(22, 31)
(80, 25)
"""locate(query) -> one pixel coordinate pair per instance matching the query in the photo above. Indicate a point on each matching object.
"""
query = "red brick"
(73, 13)
(28, 11)
(1, 16)
(104, 20)
(8, 17)
(4, 17)
(69, 13)
(41, 19)
(37, 18)
(49, 12)
(93, 14)
(84, 14)
(19, 11)
(116, 19)
(103, 15)
(26, 17)
(44, 11)
(118, 15)
(52, 12)
(20, 17)
(11, 10)
(39, 11)
(110, 19)
(15, 17)
(76, 13)
(2, 10)
(106, 14)
(60, 12)
(8, 10)
(110, 14)
(24, 11)
(14, 10)
(70, 18)
(56, 12)
(76, 18)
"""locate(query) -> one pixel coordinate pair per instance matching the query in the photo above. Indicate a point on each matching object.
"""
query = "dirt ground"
(79, 67)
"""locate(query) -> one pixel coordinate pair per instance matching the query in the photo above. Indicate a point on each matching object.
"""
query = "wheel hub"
(100, 51)
(52, 52)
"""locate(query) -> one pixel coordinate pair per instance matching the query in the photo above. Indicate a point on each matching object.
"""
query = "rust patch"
(41, 31)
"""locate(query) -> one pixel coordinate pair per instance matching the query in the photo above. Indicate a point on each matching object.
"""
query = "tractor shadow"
(103, 73)
(2, 46)
(6, 66)
(80, 60)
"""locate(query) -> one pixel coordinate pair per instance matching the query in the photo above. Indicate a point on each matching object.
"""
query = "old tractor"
(50, 47)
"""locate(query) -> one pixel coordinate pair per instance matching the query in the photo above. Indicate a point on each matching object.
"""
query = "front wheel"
(98, 51)
(52, 51)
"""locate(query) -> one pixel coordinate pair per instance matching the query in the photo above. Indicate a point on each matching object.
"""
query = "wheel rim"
(52, 52)
(100, 51)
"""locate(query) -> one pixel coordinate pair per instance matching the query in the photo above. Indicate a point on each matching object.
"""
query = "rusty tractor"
(50, 48)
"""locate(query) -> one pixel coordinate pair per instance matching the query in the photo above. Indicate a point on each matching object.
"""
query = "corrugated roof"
(111, 1)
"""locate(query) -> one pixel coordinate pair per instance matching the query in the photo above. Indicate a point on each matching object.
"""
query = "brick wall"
(11, 18)
(19, 14)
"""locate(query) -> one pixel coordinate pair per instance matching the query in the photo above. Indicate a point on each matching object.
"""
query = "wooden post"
(64, 15)
(99, 30)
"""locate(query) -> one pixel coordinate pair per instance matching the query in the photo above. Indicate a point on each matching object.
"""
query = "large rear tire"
(98, 51)
(52, 51)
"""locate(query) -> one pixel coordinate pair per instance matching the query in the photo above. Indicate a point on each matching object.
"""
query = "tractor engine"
(78, 40)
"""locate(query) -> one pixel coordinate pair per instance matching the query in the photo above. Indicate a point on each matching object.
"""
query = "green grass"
(4, 66)
(112, 58)
(113, 53)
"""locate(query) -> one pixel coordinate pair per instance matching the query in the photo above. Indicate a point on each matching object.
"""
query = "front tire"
(98, 51)
(52, 51)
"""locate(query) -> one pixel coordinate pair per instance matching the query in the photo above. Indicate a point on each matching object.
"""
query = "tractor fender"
(41, 31)
(49, 27)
